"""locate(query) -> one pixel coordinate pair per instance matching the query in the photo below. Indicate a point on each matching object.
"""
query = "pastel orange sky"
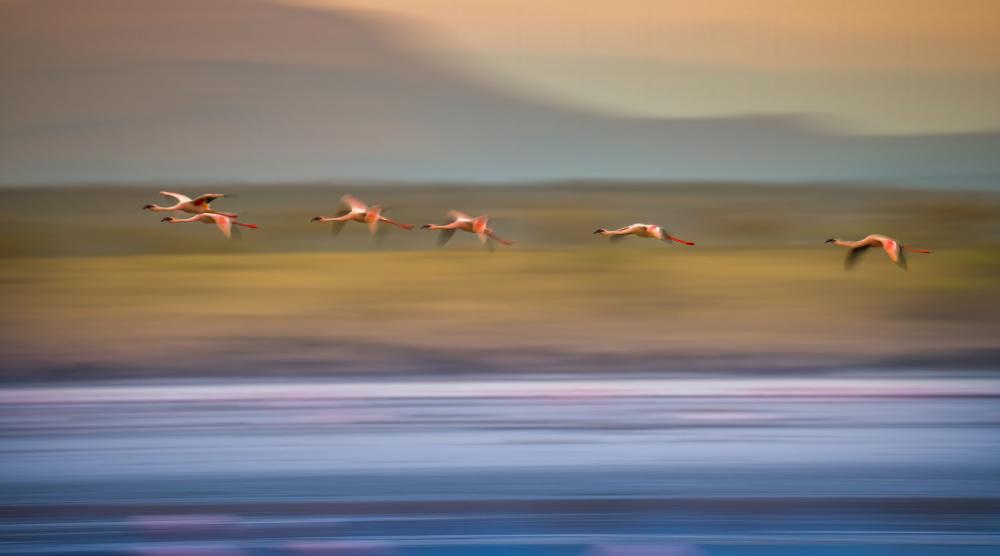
(865, 66)
(881, 66)
(811, 35)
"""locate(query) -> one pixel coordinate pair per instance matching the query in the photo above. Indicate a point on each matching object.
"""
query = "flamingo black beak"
(831, 240)
(147, 207)
(316, 218)
(167, 219)
(599, 230)
(425, 226)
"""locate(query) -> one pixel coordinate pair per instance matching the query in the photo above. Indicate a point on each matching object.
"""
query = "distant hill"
(207, 90)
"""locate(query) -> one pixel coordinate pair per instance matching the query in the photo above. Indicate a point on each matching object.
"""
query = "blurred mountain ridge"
(243, 90)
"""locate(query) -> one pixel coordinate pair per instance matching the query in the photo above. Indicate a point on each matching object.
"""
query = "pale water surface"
(553, 465)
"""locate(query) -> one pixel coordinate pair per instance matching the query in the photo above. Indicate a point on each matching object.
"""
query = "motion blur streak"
(551, 466)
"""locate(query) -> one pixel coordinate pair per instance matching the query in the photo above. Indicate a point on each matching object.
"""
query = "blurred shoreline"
(97, 288)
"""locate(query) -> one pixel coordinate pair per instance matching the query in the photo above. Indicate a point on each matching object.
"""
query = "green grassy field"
(761, 293)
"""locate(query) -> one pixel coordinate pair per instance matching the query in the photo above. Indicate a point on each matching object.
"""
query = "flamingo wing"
(659, 233)
(337, 226)
(456, 216)
(178, 196)
(853, 255)
(444, 236)
(352, 203)
(901, 261)
(224, 224)
(891, 247)
(894, 250)
(343, 209)
(373, 218)
(480, 225)
(206, 198)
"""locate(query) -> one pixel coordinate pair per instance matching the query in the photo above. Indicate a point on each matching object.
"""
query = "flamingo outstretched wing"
(445, 235)
(344, 207)
(901, 261)
(895, 251)
(352, 204)
(456, 216)
(206, 198)
(337, 226)
(853, 255)
(223, 223)
(180, 198)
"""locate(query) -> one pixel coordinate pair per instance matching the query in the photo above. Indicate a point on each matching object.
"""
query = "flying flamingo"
(352, 208)
(478, 225)
(198, 205)
(224, 223)
(641, 230)
(891, 246)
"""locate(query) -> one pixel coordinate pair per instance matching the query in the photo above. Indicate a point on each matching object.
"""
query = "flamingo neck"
(191, 219)
(838, 241)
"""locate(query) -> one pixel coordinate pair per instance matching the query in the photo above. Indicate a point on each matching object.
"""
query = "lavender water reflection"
(551, 465)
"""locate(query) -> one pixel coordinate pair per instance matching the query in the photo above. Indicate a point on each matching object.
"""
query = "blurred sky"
(500, 90)
(874, 66)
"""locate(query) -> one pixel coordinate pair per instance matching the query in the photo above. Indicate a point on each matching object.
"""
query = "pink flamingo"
(198, 205)
(352, 208)
(891, 246)
(224, 223)
(459, 221)
(641, 230)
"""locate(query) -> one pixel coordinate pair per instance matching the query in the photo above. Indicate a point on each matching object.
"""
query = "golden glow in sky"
(890, 66)
(805, 35)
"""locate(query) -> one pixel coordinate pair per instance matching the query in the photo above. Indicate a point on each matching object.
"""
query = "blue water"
(570, 468)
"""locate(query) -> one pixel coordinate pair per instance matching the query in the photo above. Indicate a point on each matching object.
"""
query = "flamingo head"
(599, 231)
(167, 219)
(425, 226)
(831, 240)
(316, 218)
(148, 207)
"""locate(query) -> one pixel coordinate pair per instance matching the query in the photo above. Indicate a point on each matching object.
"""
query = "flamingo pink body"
(198, 205)
(642, 230)
(224, 223)
(459, 221)
(353, 209)
(892, 247)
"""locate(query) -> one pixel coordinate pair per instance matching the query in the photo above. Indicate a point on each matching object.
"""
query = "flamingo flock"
(352, 209)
